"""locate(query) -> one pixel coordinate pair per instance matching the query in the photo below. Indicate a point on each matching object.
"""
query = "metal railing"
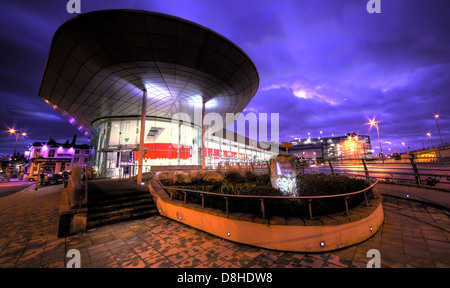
(434, 172)
(259, 167)
(170, 191)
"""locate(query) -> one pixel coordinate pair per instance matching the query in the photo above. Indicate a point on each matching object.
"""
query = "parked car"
(33, 177)
(54, 179)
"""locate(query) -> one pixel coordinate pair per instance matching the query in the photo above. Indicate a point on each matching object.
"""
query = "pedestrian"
(42, 176)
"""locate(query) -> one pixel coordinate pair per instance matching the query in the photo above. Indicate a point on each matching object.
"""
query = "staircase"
(112, 201)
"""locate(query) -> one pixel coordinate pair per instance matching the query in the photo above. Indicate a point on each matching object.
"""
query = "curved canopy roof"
(100, 63)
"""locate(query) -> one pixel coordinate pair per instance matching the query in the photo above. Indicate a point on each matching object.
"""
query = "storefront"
(167, 143)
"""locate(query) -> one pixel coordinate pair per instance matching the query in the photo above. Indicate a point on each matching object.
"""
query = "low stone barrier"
(322, 233)
(72, 220)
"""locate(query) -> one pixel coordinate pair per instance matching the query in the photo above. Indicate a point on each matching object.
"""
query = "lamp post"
(375, 123)
(429, 135)
(142, 137)
(437, 117)
(17, 132)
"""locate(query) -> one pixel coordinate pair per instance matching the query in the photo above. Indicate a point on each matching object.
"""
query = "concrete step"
(117, 206)
(104, 214)
(104, 202)
(120, 218)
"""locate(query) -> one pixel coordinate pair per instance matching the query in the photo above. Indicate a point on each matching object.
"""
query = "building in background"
(350, 146)
(59, 157)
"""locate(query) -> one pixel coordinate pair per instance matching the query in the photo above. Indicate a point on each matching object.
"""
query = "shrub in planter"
(250, 184)
(212, 176)
(179, 179)
(251, 176)
(234, 176)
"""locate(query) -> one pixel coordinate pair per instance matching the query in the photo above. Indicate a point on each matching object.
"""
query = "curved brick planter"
(323, 233)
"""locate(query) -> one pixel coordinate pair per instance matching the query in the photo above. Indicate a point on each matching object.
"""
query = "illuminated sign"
(50, 160)
(284, 168)
(63, 155)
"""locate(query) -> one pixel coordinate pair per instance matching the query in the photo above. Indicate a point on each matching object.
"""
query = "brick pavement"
(412, 235)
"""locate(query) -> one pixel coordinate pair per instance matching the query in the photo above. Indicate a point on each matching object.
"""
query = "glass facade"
(350, 146)
(167, 143)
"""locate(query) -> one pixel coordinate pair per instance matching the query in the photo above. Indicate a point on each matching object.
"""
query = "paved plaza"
(413, 235)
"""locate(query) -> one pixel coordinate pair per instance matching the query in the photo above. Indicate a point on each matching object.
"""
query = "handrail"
(274, 197)
(403, 171)
(262, 197)
(389, 172)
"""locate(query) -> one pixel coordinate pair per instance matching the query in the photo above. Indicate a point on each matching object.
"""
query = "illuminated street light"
(375, 123)
(429, 135)
(436, 116)
(17, 132)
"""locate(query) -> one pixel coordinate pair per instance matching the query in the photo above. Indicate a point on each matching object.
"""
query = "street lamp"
(375, 123)
(429, 135)
(17, 132)
(436, 116)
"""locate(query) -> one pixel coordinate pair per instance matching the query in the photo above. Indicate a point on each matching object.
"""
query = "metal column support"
(203, 138)
(331, 167)
(179, 142)
(365, 168)
(416, 171)
(142, 137)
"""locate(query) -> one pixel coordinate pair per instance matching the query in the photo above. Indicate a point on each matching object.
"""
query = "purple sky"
(324, 65)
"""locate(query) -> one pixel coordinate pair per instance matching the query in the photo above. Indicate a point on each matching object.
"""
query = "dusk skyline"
(325, 66)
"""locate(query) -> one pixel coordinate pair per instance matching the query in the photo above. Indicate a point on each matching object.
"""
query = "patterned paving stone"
(311, 262)
(412, 235)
